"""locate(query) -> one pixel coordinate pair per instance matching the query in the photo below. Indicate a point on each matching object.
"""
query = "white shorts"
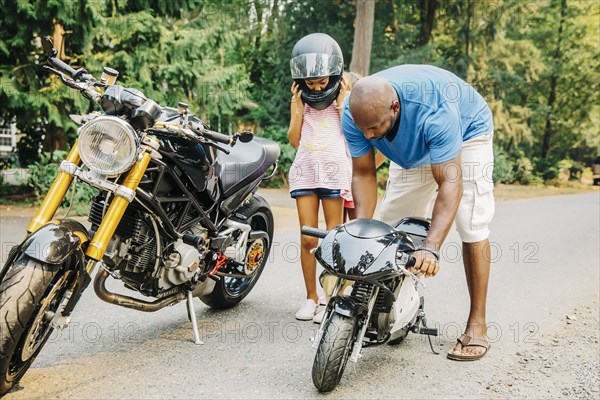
(411, 193)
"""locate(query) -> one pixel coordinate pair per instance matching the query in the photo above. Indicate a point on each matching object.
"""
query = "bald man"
(437, 131)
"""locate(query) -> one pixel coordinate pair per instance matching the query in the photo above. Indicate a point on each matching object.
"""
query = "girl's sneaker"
(307, 311)
(321, 313)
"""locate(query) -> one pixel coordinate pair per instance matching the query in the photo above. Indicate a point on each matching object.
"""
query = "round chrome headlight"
(108, 145)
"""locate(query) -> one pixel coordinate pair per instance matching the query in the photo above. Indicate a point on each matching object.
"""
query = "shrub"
(503, 167)
(42, 174)
(547, 168)
(525, 173)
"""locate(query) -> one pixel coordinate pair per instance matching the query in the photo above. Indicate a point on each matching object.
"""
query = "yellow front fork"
(55, 195)
(115, 212)
(111, 219)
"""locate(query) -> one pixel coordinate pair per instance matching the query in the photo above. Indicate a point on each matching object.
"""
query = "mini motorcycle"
(383, 305)
(176, 216)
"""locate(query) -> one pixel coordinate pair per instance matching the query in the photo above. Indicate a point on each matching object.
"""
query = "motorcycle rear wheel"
(228, 292)
(30, 293)
(333, 352)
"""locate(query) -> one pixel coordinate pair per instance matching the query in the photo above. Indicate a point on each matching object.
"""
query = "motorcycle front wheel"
(334, 349)
(30, 293)
(229, 291)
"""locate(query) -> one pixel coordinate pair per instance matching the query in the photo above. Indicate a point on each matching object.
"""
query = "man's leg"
(477, 270)
(408, 194)
(474, 215)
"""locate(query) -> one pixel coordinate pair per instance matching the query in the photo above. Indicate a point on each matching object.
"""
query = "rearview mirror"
(246, 136)
(48, 46)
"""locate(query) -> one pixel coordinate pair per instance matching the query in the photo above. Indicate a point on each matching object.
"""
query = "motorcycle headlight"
(108, 145)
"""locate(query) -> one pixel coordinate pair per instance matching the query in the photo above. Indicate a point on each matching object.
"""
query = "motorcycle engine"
(132, 252)
(182, 261)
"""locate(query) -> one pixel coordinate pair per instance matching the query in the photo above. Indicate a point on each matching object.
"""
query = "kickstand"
(192, 314)
(431, 345)
(424, 330)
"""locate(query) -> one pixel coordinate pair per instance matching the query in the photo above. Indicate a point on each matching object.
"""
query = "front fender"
(56, 241)
(348, 306)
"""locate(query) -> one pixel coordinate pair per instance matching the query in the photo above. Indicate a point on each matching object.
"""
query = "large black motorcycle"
(176, 217)
(382, 304)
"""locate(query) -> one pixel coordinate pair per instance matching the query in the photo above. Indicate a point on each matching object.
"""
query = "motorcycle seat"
(246, 163)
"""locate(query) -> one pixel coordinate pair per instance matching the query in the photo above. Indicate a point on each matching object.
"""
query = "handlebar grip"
(314, 232)
(216, 136)
(63, 66)
(410, 263)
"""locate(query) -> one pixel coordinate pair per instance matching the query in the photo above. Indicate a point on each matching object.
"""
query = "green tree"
(29, 96)
(569, 86)
(189, 56)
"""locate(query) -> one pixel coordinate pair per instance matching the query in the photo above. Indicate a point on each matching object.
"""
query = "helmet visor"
(315, 65)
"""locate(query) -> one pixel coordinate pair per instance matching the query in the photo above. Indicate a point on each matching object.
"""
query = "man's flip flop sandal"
(466, 342)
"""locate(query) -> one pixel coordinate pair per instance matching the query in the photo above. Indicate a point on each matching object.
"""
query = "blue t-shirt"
(438, 112)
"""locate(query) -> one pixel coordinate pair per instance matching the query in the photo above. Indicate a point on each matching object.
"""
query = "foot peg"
(428, 331)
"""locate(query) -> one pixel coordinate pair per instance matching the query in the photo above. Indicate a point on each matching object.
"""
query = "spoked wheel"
(255, 254)
(229, 291)
(30, 294)
(335, 347)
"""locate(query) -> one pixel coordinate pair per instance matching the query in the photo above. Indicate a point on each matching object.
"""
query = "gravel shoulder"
(565, 364)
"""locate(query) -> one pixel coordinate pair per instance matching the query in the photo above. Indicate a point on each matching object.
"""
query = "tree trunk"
(549, 130)
(363, 37)
(470, 10)
(58, 39)
(427, 12)
(273, 17)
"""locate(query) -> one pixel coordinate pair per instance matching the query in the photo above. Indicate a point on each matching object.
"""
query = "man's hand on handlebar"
(426, 262)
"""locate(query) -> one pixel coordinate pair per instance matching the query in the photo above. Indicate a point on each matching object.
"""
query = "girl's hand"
(296, 105)
(342, 94)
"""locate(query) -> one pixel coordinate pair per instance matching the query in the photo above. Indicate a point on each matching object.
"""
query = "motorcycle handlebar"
(63, 66)
(314, 232)
(216, 136)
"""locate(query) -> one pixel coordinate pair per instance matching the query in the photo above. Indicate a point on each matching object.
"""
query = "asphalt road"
(545, 266)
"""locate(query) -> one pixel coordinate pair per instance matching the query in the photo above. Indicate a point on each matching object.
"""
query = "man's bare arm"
(448, 176)
(364, 185)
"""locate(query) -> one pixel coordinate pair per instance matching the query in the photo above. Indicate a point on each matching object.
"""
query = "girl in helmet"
(322, 172)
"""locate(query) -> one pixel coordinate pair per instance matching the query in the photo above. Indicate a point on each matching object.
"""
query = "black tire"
(334, 350)
(228, 292)
(24, 322)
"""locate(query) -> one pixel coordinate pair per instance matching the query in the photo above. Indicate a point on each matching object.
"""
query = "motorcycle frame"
(125, 193)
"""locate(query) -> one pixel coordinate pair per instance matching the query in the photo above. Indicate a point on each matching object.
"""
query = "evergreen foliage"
(536, 63)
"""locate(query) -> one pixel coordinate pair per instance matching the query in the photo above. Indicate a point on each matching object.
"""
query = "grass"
(518, 192)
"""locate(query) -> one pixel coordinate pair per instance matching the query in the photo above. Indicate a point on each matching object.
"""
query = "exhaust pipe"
(130, 302)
